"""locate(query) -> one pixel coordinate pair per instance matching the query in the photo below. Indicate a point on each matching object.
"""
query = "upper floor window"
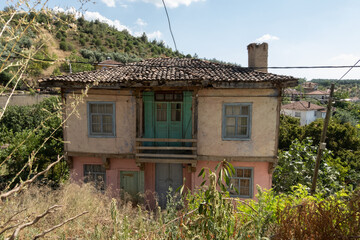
(297, 114)
(242, 181)
(101, 119)
(236, 121)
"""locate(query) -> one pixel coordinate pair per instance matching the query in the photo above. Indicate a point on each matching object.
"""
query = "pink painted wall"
(261, 174)
(112, 174)
(192, 181)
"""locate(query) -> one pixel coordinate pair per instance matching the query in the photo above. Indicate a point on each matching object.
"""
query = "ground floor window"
(95, 173)
(242, 181)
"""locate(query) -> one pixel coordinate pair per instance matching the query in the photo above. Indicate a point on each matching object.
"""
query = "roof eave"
(164, 83)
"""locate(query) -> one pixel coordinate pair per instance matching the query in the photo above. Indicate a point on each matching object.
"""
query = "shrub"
(63, 46)
(82, 41)
(296, 166)
(24, 128)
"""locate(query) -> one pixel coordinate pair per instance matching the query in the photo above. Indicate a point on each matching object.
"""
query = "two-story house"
(307, 112)
(151, 125)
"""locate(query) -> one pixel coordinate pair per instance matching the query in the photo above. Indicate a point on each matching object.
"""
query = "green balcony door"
(168, 120)
(167, 115)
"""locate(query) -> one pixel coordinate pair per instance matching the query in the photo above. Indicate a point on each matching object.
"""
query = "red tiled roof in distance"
(302, 106)
(110, 62)
(318, 92)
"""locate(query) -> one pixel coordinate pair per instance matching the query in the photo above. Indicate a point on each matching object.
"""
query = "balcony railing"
(166, 150)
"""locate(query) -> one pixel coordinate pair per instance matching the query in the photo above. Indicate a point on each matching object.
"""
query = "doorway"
(167, 175)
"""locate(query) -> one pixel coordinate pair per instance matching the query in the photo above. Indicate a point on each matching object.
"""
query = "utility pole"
(322, 143)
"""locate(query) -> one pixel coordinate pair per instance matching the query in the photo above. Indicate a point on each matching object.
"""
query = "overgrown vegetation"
(298, 146)
(208, 214)
(87, 42)
(23, 130)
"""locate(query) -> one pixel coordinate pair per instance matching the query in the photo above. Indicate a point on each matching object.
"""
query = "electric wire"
(168, 18)
(349, 70)
(229, 65)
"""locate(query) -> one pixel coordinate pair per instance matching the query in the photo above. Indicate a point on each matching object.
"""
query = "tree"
(30, 144)
(296, 166)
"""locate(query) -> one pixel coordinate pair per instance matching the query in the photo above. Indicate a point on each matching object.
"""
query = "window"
(297, 114)
(242, 181)
(236, 121)
(176, 112)
(169, 96)
(95, 173)
(101, 119)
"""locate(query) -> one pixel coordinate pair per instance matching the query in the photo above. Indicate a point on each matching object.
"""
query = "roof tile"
(170, 69)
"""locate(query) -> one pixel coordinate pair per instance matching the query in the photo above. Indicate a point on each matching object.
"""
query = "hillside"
(61, 38)
(348, 87)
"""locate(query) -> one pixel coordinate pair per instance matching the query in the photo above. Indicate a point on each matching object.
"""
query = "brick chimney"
(258, 56)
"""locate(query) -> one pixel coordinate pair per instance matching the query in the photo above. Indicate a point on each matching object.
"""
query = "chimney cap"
(258, 56)
(263, 44)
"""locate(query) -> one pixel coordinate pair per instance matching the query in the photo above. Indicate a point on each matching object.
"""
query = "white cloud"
(170, 3)
(345, 58)
(91, 16)
(71, 10)
(141, 22)
(109, 3)
(96, 15)
(154, 35)
(267, 38)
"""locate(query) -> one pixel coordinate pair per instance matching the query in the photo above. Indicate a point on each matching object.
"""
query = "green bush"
(82, 41)
(296, 166)
(25, 128)
(63, 46)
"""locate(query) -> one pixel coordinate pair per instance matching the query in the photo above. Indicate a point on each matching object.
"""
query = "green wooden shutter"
(187, 115)
(149, 115)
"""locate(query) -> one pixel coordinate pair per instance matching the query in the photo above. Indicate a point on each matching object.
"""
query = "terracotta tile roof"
(289, 91)
(302, 106)
(318, 92)
(167, 71)
(309, 84)
(110, 62)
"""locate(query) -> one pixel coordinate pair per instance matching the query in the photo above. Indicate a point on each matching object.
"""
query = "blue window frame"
(236, 122)
(96, 174)
(242, 181)
(101, 119)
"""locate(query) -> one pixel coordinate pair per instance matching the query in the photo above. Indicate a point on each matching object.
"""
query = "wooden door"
(132, 182)
(167, 175)
(168, 120)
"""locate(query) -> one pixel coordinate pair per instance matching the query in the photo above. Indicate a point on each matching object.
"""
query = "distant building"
(108, 63)
(309, 86)
(306, 111)
(292, 94)
(353, 99)
(318, 94)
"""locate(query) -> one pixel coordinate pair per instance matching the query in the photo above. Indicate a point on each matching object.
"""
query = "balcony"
(166, 150)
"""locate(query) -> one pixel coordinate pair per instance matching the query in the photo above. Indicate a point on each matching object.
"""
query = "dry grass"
(98, 223)
(110, 217)
(328, 219)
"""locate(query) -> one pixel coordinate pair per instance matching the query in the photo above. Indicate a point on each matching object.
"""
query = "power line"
(172, 35)
(349, 70)
(229, 65)
(274, 67)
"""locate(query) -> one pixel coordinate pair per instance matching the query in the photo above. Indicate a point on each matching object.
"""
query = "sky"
(299, 32)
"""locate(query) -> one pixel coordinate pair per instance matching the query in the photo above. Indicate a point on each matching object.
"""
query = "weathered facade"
(147, 126)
